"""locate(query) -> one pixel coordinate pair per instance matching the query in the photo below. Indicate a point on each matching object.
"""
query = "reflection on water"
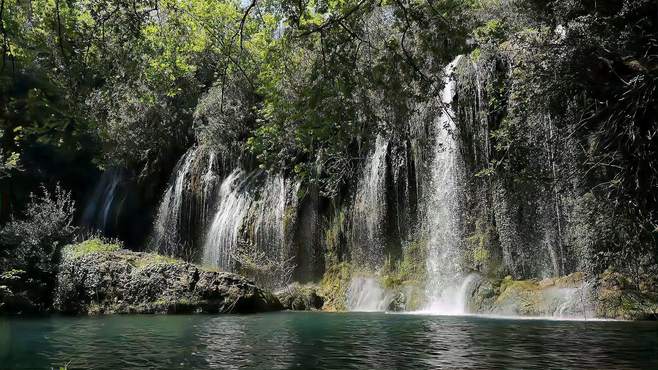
(324, 340)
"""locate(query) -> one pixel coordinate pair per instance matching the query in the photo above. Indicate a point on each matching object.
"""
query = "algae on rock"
(106, 280)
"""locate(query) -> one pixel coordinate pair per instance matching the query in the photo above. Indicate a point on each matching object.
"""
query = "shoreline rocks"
(609, 296)
(122, 281)
(298, 297)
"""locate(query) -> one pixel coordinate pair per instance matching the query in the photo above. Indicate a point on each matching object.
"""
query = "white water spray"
(167, 223)
(447, 287)
(369, 208)
(365, 294)
(224, 233)
(251, 208)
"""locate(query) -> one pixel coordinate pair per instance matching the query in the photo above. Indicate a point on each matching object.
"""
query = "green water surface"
(317, 340)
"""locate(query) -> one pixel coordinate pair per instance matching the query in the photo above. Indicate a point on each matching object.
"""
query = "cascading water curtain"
(445, 282)
(368, 210)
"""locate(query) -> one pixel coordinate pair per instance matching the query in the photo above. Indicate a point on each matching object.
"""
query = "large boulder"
(122, 281)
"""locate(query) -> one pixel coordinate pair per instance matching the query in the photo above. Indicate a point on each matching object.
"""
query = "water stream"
(368, 209)
(446, 284)
(100, 212)
(253, 212)
(224, 233)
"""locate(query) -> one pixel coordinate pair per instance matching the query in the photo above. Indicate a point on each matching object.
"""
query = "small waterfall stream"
(206, 217)
(100, 210)
(445, 290)
(252, 209)
(365, 294)
(368, 210)
(187, 204)
(167, 220)
(224, 233)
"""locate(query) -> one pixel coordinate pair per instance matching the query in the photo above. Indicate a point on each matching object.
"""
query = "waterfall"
(445, 290)
(369, 208)
(102, 206)
(208, 218)
(270, 211)
(252, 208)
(224, 233)
(209, 180)
(167, 229)
(452, 298)
(187, 203)
(365, 294)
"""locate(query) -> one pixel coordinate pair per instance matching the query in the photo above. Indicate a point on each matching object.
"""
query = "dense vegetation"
(305, 87)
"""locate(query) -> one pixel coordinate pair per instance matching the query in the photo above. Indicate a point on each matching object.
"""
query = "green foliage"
(493, 31)
(149, 259)
(333, 235)
(480, 255)
(334, 285)
(32, 244)
(343, 90)
(410, 269)
(95, 245)
(9, 164)
(480, 242)
(35, 240)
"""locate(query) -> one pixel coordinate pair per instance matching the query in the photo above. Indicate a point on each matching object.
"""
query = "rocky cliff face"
(128, 282)
(536, 207)
(479, 181)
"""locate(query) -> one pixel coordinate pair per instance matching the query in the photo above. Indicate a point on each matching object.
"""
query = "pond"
(321, 340)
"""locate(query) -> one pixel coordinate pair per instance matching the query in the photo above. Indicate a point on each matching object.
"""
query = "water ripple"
(324, 341)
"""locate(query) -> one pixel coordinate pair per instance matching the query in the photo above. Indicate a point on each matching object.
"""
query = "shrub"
(33, 244)
(267, 271)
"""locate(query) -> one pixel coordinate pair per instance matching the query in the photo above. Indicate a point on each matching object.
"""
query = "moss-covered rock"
(334, 285)
(519, 297)
(610, 295)
(106, 280)
(619, 298)
(564, 296)
(298, 297)
(408, 296)
(94, 245)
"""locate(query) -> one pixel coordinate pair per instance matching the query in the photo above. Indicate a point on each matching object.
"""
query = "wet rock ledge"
(100, 281)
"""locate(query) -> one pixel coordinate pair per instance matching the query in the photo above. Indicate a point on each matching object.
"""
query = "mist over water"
(365, 294)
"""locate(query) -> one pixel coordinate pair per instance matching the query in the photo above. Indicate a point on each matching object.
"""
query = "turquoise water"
(323, 341)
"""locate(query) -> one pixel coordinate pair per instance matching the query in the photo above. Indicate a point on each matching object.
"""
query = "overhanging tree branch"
(333, 21)
(244, 20)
